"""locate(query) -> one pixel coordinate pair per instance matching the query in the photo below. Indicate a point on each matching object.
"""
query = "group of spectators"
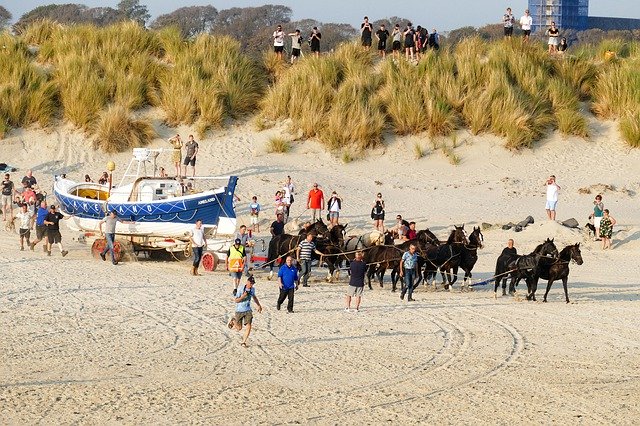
(555, 43)
(413, 40)
(32, 213)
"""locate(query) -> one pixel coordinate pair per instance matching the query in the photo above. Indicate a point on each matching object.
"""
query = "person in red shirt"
(315, 202)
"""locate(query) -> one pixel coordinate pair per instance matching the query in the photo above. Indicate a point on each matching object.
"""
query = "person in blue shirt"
(408, 271)
(41, 228)
(244, 314)
(288, 281)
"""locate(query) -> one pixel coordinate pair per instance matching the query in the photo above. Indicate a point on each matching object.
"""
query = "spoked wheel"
(122, 250)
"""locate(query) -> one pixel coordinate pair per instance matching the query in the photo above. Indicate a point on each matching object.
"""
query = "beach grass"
(116, 131)
(630, 128)
(277, 145)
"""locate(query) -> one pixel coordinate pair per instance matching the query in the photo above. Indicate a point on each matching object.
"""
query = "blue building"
(567, 14)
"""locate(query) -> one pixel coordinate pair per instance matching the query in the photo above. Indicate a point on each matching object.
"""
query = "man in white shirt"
(526, 22)
(552, 197)
(198, 244)
(278, 41)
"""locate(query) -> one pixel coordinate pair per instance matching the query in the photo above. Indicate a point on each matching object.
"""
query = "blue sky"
(442, 14)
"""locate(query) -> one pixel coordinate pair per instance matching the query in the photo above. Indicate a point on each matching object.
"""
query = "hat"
(52, 206)
(251, 279)
(237, 241)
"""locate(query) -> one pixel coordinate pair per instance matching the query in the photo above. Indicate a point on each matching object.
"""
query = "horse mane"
(565, 253)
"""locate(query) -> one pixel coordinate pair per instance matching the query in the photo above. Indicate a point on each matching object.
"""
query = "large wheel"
(210, 261)
(99, 245)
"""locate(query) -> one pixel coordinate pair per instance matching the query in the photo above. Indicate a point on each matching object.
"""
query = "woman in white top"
(334, 205)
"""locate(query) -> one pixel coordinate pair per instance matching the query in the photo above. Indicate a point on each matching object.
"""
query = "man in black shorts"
(382, 35)
(278, 41)
(366, 30)
(314, 41)
(396, 36)
(52, 221)
(296, 45)
(190, 158)
(508, 21)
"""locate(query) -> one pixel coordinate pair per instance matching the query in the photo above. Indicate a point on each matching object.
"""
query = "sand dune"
(85, 342)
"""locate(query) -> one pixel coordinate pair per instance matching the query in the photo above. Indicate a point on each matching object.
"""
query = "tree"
(5, 17)
(135, 11)
(191, 20)
(456, 36)
(103, 16)
(69, 13)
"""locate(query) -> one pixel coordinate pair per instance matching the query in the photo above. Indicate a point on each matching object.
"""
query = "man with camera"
(314, 41)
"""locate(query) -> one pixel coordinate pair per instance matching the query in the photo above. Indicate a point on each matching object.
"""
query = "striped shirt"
(306, 248)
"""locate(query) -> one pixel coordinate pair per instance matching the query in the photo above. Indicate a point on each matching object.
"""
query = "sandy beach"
(85, 342)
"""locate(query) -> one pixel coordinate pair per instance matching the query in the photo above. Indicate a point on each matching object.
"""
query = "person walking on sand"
(552, 197)
(198, 245)
(176, 156)
(598, 213)
(235, 263)
(315, 202)
(24, 216)
(408, 271)
(254, 211)
(278, 41)
(606, 229)
(334, 205)
(244, 314)
(52, 221)
(377, 213)
(526, 22)
(288, 282)
(41, 228)
(190, 157)
(109, 232)
(8, 191)
(357, 270)
(507, 21)
(303, 254)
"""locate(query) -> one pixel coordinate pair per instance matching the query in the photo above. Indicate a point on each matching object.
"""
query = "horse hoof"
(544, 300)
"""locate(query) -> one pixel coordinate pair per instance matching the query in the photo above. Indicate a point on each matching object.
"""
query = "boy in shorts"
(254, 208)
(244, 314)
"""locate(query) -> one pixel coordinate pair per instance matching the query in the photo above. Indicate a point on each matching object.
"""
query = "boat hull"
(170, 218)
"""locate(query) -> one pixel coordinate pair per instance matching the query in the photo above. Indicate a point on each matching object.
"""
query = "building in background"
(567, 14)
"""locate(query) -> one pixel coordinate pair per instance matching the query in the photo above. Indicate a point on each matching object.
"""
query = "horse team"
(459, 251)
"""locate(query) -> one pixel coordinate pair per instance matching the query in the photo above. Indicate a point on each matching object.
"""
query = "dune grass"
(277, 145)
(116, 131)
(630, 128)
(347, 98)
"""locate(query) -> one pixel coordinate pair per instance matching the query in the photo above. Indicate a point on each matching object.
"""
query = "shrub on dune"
(116, 131)
(630, 128)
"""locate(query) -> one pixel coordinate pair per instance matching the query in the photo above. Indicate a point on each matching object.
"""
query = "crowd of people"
(555, 43)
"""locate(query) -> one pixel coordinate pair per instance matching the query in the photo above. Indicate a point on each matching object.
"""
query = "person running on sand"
(25, 226)
(278, 41)
(8, 191)
(288, 282)
(190, 157)
(357, 270)
(606, 229)
(552, 197)
(382, 35)
(244, 314)
(366, 30)
(296, 45)
(176, 156)
(526, 22)
(409, 271)
(41, 228)
(254, 211)
(52, 220)
(198, 245)
(315, 202)
(377, 213)
(598, 213)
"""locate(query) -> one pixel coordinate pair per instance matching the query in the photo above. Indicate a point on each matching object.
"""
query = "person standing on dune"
(552, 197)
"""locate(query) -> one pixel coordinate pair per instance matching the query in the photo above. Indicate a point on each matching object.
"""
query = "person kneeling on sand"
(244, 314)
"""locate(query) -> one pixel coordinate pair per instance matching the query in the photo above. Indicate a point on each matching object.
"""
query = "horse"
(318, 227)
(359, 242)
(284, 245)
(381, 258)
(445, 257)
(336, 235)
(469, 256)
(526, 267)
(558, 270)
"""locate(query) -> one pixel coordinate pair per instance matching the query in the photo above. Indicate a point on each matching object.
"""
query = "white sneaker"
(347, 310)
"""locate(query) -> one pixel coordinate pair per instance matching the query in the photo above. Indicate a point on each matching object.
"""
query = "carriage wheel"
(98, 246)
(210, 261)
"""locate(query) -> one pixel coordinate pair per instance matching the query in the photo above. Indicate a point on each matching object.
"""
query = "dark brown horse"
(445, 258)
(559, 269)
(527, 266)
